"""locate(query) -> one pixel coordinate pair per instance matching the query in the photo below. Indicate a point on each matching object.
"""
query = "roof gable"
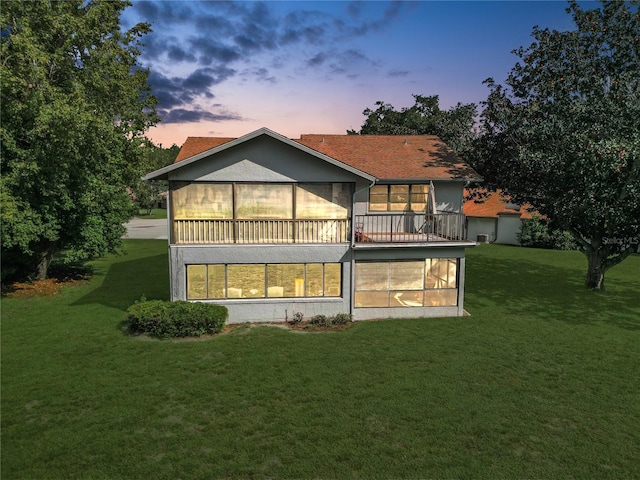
(198, 148)
(381, 157)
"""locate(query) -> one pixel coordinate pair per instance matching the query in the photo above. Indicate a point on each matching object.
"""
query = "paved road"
(150, 229)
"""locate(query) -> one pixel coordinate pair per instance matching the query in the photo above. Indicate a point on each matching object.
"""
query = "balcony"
(410, 228)
(260, 231)
(400, 228)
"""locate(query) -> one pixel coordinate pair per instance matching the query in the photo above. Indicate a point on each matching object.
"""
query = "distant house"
(269, 226)
(496, 219)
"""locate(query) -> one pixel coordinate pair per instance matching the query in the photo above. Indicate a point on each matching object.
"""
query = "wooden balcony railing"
(260, 231)
(410, 228)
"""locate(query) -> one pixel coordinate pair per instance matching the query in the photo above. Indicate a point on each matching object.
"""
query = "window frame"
(423, 297)
(411, 197)
(175, 185)
(264, 295)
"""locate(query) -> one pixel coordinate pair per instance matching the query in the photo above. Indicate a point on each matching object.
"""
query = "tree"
(563, 135)
(455, 127)
(149, 193)
(75, 105)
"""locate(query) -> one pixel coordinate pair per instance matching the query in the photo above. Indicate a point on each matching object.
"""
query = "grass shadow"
(126, 281)
(549, 289)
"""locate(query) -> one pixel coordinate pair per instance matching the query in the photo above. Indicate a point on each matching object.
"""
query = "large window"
(255, 201)
(201, 200)
(398, 198)
(266, 200)
(413, 283)
(273, 280)
(323, 200)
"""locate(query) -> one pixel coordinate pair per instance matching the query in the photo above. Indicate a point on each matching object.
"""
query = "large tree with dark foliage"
(149, 193)
(563, 133)
(454, 126)
(75, 106)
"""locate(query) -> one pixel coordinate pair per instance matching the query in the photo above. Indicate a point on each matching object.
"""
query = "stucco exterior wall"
(508, 229)
(449, 196)
(262, 159)
(479, 226)
(264, 309)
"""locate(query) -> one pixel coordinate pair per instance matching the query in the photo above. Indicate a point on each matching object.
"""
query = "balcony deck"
(410, 228)
(396, 229)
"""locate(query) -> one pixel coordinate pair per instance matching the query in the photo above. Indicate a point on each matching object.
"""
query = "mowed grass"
(541, 381)
(156, 214)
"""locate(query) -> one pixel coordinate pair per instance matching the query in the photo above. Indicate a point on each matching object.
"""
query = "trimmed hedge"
(163, 319)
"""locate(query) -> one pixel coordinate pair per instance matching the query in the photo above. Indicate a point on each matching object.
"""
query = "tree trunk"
(45, 258)
(595, 270)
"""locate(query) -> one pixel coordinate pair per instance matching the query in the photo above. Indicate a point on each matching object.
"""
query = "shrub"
(534, 232)
(563, 240)
(163, 319)
(296, 319)
(342, 319)
(537, 233)
(320, 320)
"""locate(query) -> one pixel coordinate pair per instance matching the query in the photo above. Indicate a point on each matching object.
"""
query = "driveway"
(149, 229)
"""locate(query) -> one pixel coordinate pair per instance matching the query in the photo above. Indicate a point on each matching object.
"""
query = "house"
(495, 219)
(324, 224)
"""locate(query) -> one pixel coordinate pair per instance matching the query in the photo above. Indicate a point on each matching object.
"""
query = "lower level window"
(271, 280)
(414, 283)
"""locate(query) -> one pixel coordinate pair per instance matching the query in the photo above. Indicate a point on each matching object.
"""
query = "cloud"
(182, 115)
(214, 42)
(398, 73)
(177, 91)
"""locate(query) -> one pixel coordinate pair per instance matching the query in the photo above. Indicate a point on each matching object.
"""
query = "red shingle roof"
(393, 156)
(382, 156)
(494, 204)
(194, 145)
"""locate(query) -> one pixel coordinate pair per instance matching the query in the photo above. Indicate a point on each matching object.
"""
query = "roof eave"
(426, 180)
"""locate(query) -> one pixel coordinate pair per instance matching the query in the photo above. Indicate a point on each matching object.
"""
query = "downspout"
(170, 240)
(353, 244)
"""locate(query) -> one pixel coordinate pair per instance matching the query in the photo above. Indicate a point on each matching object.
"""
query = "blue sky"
(228, 68)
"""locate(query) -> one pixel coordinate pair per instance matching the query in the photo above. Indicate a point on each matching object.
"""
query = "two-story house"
(269, 226)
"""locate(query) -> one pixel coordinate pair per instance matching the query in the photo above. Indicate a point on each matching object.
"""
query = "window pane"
(441, 298)
(412, 298)
(216, 281)
(378, 198)
(332, 279)
(372, 299)
(201, 200)
(372, 276)
(441, 273)
(285, 280)
(419, 197)
(323, 200)
(255, 201)
(245, 281)
(398, 197)
(406, 275)
(314, 280)
(196, 281)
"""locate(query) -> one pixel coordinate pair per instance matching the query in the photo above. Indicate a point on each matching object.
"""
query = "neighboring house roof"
(494, 204)
(383, 157)
(394, 157)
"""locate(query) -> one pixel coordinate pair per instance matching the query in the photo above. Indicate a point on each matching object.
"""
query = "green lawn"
(156, 214)
(541, 381)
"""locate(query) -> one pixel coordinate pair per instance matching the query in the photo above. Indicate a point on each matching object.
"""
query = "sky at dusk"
(228, 68)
